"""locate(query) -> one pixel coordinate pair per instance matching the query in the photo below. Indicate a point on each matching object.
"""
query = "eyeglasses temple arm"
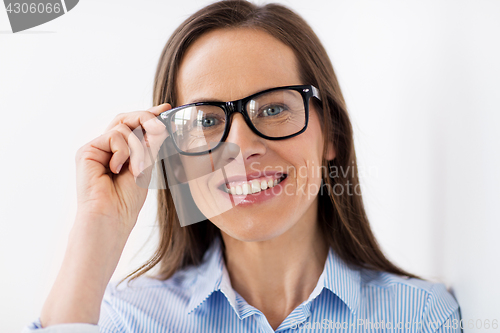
(315, 92)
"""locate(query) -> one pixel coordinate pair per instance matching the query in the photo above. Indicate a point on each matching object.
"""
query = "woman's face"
(229, 64)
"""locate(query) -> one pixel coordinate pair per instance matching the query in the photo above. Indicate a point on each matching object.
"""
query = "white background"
(421, 80)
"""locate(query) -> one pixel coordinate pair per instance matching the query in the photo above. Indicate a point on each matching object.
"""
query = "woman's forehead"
(228, 64)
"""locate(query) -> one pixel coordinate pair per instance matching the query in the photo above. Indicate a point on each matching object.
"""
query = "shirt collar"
(212, 276)
(341, 279)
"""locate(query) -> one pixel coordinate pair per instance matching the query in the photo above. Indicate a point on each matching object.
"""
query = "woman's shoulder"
(180, 282)
(177, 289)
(385, 280)
(126, 304)
(427, 296)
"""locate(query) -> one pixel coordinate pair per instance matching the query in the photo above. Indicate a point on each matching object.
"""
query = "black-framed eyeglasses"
(273, 114)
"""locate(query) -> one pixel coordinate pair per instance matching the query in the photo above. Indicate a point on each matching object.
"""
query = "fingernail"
(141, 167)
(119, 168)
(157, 106)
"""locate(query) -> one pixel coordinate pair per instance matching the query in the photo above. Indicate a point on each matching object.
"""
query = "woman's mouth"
(252, 186)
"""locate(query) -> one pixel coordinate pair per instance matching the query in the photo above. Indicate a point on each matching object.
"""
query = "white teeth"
(255, 186)
(246, 188)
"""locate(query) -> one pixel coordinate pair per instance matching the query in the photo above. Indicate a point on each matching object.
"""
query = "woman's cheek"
(208, 199)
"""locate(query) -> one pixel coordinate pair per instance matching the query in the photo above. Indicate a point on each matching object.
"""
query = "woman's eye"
(208, 122)
(272, 110)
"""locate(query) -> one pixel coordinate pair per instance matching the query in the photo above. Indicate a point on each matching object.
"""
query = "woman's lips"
(258, 186)
(244, 200)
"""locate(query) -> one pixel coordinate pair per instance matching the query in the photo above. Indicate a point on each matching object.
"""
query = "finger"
(136, 118)
(144, 146)
(114, 147)
(151, 133)
(140, 156)
(135, 143)
(131, 119)
(156, 110)
(155, 126)
(153, 140)
(110, 149)
(155, 129)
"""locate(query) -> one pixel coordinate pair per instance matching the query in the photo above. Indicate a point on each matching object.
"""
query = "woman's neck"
(277, 275)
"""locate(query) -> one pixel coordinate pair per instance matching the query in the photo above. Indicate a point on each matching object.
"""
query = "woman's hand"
(109, 201)
(109, 166)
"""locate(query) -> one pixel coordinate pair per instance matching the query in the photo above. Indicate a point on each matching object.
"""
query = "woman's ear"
(330, 152)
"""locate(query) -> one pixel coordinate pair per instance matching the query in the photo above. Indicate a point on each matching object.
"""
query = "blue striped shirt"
(201, 299)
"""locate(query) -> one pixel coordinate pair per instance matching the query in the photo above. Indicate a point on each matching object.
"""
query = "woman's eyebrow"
(198, 100)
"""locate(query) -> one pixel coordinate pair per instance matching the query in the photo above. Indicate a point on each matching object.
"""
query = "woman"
(296, 253)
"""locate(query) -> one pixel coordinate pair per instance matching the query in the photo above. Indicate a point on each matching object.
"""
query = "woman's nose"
(251, 144)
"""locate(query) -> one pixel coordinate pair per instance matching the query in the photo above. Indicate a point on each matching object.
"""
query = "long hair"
(341, 216)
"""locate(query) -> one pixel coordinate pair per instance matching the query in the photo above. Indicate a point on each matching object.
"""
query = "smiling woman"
(293, 249)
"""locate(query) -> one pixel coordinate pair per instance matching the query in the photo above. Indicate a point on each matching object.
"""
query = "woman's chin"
(250, 230)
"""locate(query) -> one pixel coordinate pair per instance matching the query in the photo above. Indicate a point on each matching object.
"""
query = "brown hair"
(342, 217)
